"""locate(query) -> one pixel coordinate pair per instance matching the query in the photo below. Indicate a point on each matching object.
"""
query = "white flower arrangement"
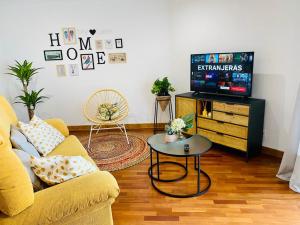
(177, 125)
(180, 124)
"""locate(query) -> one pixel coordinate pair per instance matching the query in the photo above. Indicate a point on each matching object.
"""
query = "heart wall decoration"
(92, 31)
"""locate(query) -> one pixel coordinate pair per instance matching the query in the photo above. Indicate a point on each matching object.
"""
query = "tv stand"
(234, 122)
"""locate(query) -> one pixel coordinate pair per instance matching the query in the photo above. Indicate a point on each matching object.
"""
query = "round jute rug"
(111, 151)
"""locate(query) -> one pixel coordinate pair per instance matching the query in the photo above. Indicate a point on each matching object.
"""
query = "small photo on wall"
(109, 44)
(51, 55)
(115, 58)
(99, 44)
(69, 35)
(87, 61)
(119, 43)
(73, 70)
(61, 70)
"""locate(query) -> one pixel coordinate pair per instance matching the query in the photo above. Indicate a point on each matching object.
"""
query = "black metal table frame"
(196, 167)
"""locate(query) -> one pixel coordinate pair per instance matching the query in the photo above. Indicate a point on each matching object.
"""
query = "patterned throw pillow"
(43, 136)
(108, 111)
(57, 169)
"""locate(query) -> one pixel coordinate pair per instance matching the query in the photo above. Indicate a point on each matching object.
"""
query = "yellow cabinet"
(186, 106)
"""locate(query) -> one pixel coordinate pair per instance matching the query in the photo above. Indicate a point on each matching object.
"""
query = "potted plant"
(161, 89)
(24, 72)
(177, 126)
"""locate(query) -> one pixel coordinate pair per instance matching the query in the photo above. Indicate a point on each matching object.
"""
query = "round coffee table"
(198, 145)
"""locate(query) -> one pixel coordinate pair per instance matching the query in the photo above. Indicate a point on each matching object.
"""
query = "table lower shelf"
(185, 167)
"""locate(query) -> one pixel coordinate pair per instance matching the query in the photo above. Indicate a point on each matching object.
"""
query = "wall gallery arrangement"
(69, 37)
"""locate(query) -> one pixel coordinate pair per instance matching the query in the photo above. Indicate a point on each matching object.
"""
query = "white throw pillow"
(58, 169)
(25, 158)
(19, 141)
(43, 136)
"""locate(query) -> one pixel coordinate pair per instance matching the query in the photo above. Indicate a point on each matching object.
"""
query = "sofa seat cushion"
(71, 146)
(51, 205)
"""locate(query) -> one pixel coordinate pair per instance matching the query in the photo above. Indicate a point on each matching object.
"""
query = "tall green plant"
(24, 72)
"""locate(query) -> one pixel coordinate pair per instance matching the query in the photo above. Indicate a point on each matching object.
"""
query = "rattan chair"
(91, 111)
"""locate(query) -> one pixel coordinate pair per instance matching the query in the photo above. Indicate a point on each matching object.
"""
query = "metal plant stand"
(170, 109)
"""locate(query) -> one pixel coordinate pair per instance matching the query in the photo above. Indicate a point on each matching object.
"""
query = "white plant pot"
(171, 138)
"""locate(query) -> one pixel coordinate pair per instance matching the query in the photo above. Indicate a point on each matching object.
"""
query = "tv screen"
(222, 73)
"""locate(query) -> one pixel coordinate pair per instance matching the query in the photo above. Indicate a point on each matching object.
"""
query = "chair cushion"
(16, 192)
(58, 169)
(108, 111)
(43, 136)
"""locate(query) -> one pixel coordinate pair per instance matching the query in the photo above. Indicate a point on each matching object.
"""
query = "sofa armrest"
(62, 200)
(60, 125)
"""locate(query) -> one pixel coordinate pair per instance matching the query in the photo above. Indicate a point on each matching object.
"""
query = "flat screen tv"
(222, 73)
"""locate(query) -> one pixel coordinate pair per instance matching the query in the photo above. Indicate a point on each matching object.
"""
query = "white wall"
(143, 25)
(159, 36)
(269, 27)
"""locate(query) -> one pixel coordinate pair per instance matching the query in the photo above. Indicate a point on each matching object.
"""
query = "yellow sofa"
(85, 200)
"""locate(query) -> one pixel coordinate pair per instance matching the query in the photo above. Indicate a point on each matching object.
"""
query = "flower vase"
(180, 135)
(170, 138)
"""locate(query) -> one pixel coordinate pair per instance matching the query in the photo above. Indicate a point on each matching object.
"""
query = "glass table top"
(198, 145)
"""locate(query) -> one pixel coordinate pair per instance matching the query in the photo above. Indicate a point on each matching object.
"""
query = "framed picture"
(87, 61)
(73, 70)
(69, 35)
(99, 44)
(115, 58)
(108, 44)
(119, 43)
(53, 55)
(61, 70)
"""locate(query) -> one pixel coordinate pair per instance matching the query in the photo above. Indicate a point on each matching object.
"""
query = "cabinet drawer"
(231, 108)
(230, 118)
(224, 139)
(222, 127)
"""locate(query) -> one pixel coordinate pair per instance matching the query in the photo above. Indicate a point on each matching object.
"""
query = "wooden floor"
(241, 193)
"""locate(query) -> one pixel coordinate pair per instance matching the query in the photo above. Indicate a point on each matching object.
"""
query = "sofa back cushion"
(16, 191)
(7, 116)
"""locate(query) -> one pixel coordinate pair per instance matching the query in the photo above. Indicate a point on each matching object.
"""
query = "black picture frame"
(53, 59)
(119, 43)
(92, 58)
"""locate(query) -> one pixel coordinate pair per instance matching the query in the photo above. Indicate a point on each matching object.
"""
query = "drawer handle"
(218, 133)
(221, 122)
(229, 114)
